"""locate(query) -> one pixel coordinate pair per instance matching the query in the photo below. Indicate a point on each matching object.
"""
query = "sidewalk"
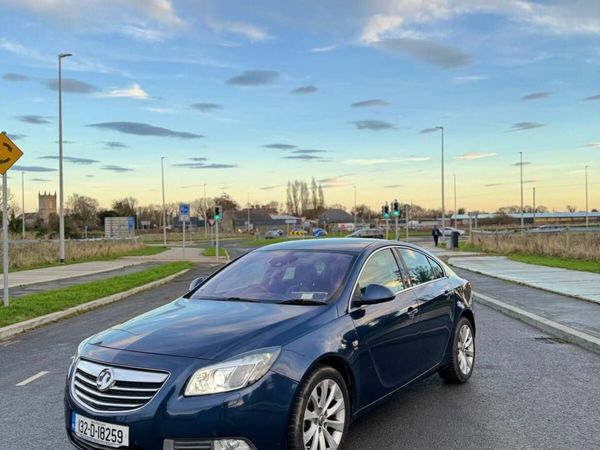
(572, 283)
(193, 254)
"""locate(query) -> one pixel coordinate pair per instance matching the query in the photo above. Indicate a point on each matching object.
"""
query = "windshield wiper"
(229, 299)
(299, 301)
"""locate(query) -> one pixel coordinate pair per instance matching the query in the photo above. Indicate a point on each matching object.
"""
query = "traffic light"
(386, 211)
(218, 213)
(396, 208)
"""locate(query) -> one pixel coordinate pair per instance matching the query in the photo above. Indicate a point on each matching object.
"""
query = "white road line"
(33, 378)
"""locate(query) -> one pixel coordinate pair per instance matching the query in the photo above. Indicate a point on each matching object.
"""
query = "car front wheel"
(321, 412)
(462, 359)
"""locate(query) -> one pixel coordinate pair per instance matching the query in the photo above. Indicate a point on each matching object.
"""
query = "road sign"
(184, 212)
(9, 153)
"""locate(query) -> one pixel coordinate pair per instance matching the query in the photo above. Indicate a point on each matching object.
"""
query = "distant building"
(46, 206)
(335, 216)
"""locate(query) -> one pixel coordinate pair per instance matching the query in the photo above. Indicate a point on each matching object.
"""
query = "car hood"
(212, 329)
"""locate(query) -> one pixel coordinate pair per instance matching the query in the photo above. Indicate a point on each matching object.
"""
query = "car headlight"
(236, 373)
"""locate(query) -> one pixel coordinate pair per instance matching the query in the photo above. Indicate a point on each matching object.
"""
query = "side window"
(419, 269)
(436, 270)
(382, 269)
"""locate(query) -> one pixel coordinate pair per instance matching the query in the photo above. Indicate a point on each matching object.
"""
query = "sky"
(245, 95)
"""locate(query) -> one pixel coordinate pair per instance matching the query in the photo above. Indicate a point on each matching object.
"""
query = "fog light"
(230, 444)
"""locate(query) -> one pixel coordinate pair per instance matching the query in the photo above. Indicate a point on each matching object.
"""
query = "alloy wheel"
(324, 417)
(466, 349)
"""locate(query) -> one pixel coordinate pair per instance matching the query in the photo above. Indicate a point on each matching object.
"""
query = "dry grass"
(36, 254)
(578, 246)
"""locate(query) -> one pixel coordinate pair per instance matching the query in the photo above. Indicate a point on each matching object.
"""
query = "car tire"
(322, 384)
(462, 358)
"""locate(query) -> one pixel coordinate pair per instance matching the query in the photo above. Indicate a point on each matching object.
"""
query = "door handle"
(412, 311)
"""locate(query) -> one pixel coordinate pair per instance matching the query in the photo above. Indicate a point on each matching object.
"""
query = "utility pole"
(5, 236)
(61, 217)
(23, 200)
(406, 209)
(534, 205)
(164, 211)
(522, 212)
(248, 225)
(355, 208)
(205, 215)
(443, 194)
(587, 214)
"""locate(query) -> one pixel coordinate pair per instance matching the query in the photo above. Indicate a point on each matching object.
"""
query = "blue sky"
(346, 86)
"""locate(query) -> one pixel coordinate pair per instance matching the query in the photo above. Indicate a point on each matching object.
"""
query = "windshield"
(280, 275)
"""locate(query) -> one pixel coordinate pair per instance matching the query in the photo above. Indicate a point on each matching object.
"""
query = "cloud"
(144, 129)
(369, 103)
(201, 165)
(426, 51)
(416, 158)
(16, 137)
(144, 34)
(206, 107)
(73, 159)
(254, 78)
(33, 119)
(592, 145)
(14, 77)
(535, 96)
(305, 157)
(44, 180)
(115, 144)
(327, 48)
(304, 90)
(492, 184)
(367, 162)
(33, 168)
(198, 159)
(281, 146)
(117, 169)
(592, 98)
(393, 186)
(245, 30)
(525, 163)
(71, 85)
(375, 125)
(135, 91)
(522, 126)
(474, 155)
(308, 151)
(268, 188)
(470, 78)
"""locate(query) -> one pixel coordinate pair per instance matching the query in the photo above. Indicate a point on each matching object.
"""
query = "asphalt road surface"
(528, 391)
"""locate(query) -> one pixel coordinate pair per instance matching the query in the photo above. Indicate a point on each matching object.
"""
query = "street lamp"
(521, 164)
(61, 220)
(355, 212)
(587, 214)
(23, 200)
(164, 211)
(455, 211)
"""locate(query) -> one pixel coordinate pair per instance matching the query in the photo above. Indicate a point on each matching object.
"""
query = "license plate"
(100, 432)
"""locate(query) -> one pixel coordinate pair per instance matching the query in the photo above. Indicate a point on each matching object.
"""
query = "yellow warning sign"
(9, 153)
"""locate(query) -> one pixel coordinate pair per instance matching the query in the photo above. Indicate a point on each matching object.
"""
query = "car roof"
(353, 245)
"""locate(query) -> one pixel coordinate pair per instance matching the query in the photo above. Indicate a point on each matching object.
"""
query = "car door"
(435, 304)
(388, 329)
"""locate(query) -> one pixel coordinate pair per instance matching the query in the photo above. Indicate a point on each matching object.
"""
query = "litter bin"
(454, 240)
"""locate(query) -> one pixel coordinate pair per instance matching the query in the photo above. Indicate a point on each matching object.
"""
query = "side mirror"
(375, 293)
(196, 282)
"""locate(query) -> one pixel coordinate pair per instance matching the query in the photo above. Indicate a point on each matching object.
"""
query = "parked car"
(373, 233)
(281, 348)
(273, 233)
(447, 231)
(548, 229)
(319, 232)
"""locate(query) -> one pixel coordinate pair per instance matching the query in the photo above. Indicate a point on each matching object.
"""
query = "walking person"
(436, 233)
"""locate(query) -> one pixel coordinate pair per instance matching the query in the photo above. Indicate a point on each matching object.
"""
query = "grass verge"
(143, 251)
(571, 264)
(212, 251)
(42, 303)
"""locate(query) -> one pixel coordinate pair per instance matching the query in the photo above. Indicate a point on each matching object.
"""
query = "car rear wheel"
(321, 412)
(462, 359)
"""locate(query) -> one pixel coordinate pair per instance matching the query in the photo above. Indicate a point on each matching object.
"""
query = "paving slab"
(573, 283)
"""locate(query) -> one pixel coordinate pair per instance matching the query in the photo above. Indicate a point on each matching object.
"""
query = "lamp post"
(443, 195)
(61, 211)
(355, 208)
(248, 224)
(455, 211)
(534, 211)
(587, 214)
(164, 211)
(205, 215)
(521, 165)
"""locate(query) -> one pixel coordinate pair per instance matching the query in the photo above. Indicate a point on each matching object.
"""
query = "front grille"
(189, 444)
(131, 389)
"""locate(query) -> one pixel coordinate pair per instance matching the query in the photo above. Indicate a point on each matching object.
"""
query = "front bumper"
(258, 414)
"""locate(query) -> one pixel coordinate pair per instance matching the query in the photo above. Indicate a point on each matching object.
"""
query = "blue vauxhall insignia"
(280, 349)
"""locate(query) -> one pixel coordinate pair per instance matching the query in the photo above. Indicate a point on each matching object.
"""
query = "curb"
(556, 329)
(553, 291)
(27, 325)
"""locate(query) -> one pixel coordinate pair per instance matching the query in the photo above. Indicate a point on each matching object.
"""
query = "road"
(527, 391)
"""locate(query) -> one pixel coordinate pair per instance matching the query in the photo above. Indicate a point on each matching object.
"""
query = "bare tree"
(314, 193)
(125, 206)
